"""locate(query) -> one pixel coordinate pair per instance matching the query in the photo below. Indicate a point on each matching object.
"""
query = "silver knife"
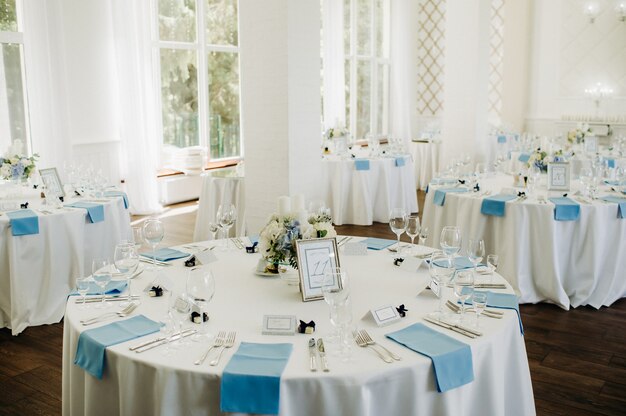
(108, 299)
(450, 327)
(312, 360)
(145, 344)
(149, 260)
(322, 352)
(164, 341)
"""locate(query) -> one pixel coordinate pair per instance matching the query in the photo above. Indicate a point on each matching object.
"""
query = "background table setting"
(563, 247)
(138, 376)
(43, 248)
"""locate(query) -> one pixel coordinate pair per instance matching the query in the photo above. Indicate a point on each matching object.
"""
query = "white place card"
(206, 257)
(279, 324)
(435, 288)
(384, 315)
(355, 249)
(411, 264)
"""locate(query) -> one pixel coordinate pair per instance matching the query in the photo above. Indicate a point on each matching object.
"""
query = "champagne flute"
(476, 251)
(450, 241)
(440, 273)
(200, 289)
(82, 287)
(153, 233)
(126, 261)
(398, 223)
(413, 229)
(137, 237)
(463, 289)
(479, 301)
(101, 274)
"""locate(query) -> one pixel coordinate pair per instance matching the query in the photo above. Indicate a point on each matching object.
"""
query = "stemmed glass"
(226, 217)
(82, 287)
(153, 233)
(450, 241)
(479, 301)
(336, 291)
(200, 289)
(440, 272)
(476, 251)
(413, 229)
(463, 289)
(213, 229)
(137, 237)
(101, 273)
(397, 223)
(179, 308)
(492, 263)
(423, 235)
(126, 261)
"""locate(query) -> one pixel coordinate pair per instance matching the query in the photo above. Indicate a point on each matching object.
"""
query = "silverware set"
(121, 314)
(470, 333)
(363, 340)
(109, 298)
(149, 260)
(145, 346)
(222, 341)
(487, 312)
(314, 350)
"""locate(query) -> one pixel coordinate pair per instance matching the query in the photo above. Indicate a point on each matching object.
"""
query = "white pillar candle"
(284, 205)
(297, 203)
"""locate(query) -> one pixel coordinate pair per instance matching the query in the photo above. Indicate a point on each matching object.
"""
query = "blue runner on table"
(501, 301)
(523, 157)
(378, 243)
(495, 205)
(452, 359)
(400, 161)
(565, 209)
(118, 193)
(621, 204)
(95, 212)
(165, 254)
(362, 164)
(92, 343)
(251, 379)
(440, 194)
(23, 222)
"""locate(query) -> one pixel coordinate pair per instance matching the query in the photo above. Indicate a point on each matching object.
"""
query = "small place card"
(435, 288)
(279, 324)
(384, 315)
(411, 264)
(206, 257)
(355, 249)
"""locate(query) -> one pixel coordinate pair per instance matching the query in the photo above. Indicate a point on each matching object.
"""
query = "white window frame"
(18, 38)
(202, 49)
(375, 62)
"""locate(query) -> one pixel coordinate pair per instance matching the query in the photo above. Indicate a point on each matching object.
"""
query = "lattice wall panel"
(496, 51)
(431, 57)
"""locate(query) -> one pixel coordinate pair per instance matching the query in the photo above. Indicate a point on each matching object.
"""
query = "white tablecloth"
(38, 271)
(150, 383)
(568, 263)
(215, 192)
(363, 196)
(426, 160)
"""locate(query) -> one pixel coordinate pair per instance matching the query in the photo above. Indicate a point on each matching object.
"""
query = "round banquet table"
(38, 271)
(363, 196)
(151, 383)
(426, 158)
(568, 263)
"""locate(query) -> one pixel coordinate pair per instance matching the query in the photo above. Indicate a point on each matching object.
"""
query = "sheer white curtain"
(334, 65)
(137, 98)
(403, 89)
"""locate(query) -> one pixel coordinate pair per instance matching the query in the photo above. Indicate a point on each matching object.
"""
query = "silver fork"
(230, 341)
(123, 313)
(361, 343)
(217, 342)
(372, 343)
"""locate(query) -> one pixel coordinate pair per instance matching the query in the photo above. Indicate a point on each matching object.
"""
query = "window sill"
(162, 173)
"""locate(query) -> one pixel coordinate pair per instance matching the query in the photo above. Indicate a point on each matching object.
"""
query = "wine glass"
(179, 308)
(226, 217)
(413, 228)
(492, 263)
(441, 273)
(126, 261)
(101, 274)
(82, 287)
(200, 289)
(475, 251)
(423, 235)
(450, 241)
(336, 291)
(213, 229)
(463, 289)
(398, 223)
(153, 233)
(479, 301)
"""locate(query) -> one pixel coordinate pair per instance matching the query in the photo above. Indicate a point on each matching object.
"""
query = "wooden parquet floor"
(577, 358)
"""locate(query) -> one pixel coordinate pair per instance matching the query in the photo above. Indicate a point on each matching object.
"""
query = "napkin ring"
(155, 291)
(191, 261)
(195, 317)
(306, 328)
(402, 310)
(398, 261)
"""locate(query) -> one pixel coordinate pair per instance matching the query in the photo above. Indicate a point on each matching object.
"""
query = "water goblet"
(475, 251)
(153, 233)
(126, 261)
(441, 273)
(200, 290)
(82, 287)
(450, 241)
(397, 223)
(101, 274)
(479, 301)
(463, 289)
(413, 229)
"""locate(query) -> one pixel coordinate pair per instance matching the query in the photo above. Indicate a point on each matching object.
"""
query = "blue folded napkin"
(501, 301)
(501, 138)
(495, 205)
(523, 157)
(400, 161)
(112, 288)
(362, 164)
(440, 194)
(378, 243)
(565, 209)
(452, 359)
(165, 254)
(23, 222)
(118, 193)
(95, 212)
(612, 183)
(460, 263)
(621, 204)
(251, 379)
(90, 353)
(610, 162)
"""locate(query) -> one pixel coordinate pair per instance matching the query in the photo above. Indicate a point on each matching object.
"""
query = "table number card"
(591, 144)
(558, 176)
(384, 315)
(316, 257)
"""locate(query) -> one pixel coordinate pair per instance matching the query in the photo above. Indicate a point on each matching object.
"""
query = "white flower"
(5, 170)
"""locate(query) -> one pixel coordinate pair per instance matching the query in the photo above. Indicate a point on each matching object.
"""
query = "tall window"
(366, 43)
(13, 103)
(197, 45)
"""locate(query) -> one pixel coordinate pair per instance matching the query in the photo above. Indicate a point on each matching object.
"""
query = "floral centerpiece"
(336, 132)
(578, 134)
(15, 165)
(539, 159)
(277, 239)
